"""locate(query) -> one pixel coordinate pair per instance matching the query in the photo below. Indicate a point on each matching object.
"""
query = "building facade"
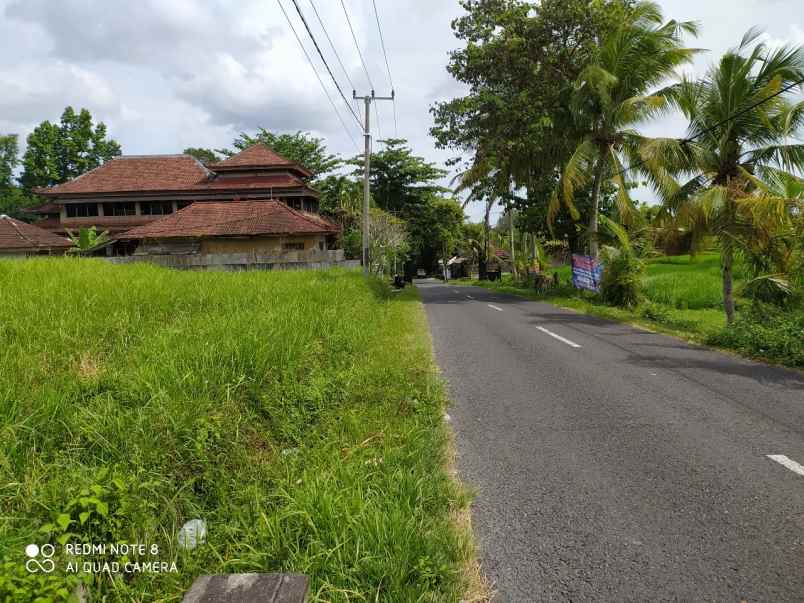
(131, 191)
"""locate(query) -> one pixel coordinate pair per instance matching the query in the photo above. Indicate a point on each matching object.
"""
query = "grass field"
(683, 296)
(298, 414)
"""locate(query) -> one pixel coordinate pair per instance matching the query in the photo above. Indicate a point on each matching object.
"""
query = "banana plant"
(86, 240)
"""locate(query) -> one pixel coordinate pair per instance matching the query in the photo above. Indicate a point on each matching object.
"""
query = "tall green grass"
(298, 414)
(683, 282)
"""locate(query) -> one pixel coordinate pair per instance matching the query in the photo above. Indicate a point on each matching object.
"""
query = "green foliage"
(297, 413)
(436, 230)
(9, 159)
(108, 510)
(621, 284)
(205, 156)
(731, 188)
(56, 153)
(12, 198)
(301, 147)
(87, 239)
(21, 586)
(388, 242)
(766, 331)
(768, 288)
(612, 94)
(400, 181)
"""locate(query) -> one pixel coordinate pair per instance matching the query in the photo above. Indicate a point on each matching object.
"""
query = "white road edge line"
(493, 307)
(786, 462)
(572, 344)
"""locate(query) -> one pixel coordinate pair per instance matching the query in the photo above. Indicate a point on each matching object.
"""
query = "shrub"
(767, 331)
(621, 284)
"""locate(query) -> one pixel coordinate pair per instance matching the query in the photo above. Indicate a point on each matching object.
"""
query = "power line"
(318, 77)
(331, 45)
(362, 62)
(354, 38)
(387, 65)
(718, 124)
(321, 54)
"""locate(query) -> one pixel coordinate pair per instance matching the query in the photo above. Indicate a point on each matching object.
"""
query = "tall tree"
(301, 147)
(741, 122)
(59, 152)
(613, 94)
(399, 180)
(436, 228)
(12, 198)
(9, 159)
(519, 64)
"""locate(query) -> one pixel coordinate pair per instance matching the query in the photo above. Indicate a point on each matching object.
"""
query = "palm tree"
(741, 122)
(611, 96)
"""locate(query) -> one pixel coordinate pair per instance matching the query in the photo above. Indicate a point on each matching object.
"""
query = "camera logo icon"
(40, 559)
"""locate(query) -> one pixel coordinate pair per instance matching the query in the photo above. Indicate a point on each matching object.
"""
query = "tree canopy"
(205, 156)
(59, 152)
(301, 147)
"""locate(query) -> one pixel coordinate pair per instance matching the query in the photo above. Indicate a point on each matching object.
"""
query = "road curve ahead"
(614, 464)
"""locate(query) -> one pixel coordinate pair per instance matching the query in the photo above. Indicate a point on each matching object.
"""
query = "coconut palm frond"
(578, 171)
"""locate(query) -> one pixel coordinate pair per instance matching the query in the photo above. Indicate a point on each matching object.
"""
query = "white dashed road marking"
(786, 462)
(572, 344)
(493, 307)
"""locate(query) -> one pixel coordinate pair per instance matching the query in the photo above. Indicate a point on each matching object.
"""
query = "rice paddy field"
(297, 414)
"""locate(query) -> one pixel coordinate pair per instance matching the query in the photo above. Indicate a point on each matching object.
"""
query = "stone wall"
(290, 260)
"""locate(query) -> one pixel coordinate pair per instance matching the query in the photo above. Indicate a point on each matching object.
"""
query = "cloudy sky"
(168, 74)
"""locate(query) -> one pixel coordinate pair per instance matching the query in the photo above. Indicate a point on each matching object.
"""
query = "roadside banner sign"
(586, 272)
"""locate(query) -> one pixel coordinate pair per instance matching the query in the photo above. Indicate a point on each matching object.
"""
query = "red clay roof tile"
(19, 235)
(134, 173)
(235, 218)
(257, 155)
(155, 173)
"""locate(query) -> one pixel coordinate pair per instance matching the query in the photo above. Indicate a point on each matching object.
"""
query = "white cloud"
(167, 74)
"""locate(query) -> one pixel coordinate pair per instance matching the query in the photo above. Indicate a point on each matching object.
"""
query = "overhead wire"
(324, 60)
(354, 39)
(363, 63)
(318, 77)
(332, 46)
(387, 64)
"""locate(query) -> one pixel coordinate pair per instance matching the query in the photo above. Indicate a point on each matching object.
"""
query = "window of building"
(156, 208)
(293, 246)
(81, 210)
(119, 209)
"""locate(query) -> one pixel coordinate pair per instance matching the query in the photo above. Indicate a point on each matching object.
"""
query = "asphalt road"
(614, 464)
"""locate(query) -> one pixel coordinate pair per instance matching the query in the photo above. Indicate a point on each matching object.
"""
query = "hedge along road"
(611, 463)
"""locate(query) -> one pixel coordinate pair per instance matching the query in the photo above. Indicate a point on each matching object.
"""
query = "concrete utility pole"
(367, 167)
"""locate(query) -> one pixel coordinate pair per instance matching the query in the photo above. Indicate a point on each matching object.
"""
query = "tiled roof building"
(19, 238)
(234, 219)
(131, 191)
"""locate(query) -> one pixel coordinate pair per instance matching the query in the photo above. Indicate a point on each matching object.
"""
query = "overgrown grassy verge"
(298, 414)
(683, 297)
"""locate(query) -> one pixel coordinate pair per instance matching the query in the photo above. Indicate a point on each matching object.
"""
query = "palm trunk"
(593, 222)
(728, 294)
(513, 259)
(484, 261)
(444, 260)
